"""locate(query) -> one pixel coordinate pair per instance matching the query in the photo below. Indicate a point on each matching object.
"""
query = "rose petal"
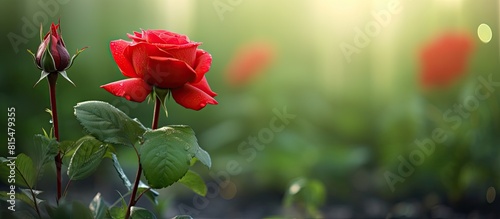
(140, 54)
(118, 48)
(151, 37)
(64, 57)
(134, 89)
(154, 50)
(139, 58)
(168, 72)
(202, 64)
(192, 97)
(170, 37)
(41, 49)
(203, 85)
(184, 52)
(137, 37)
(54, 51)
(149, 49)
(53, 29)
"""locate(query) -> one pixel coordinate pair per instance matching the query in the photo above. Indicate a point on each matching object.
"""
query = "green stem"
(66, 188)
(156, 113)
(142, 193)
(55, 122)
(35, 203)
(154, 125)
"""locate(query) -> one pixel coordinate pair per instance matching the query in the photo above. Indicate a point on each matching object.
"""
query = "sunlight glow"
(452, 3)
(178, 15)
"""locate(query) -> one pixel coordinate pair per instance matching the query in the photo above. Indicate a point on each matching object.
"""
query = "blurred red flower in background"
(444, 59)
(249, 61)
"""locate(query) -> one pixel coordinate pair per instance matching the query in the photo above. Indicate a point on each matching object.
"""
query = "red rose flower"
(166, 60)
(445, 59)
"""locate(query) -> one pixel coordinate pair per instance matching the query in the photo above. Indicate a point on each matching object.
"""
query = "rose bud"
(52, 55)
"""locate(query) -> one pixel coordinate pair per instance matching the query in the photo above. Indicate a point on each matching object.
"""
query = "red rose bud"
(164, 60)
(52, 55)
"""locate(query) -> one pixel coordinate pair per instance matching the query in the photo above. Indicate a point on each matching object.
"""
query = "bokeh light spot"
(491, 194)
(484, 32)
(229, 191)
(294, 188)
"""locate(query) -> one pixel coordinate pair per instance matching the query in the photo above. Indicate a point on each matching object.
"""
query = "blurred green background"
(356, 116)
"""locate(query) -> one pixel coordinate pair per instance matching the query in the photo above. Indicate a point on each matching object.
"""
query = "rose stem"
(52, 91)
(133, 201)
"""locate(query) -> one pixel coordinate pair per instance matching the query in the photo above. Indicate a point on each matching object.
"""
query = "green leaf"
(166, 153)
(194, 181)
(78, 51)
(63, 210)
(65, 76)
(80, 211)
(18, 170)
(108, 123)
(190, 139)
(121, 173)
(4, 196)
(161, 94)
(117, 212)
(182, 217)
(98, 207)
(5, 170)
(68, 210)
(109, 153)
(44, 151)
(47, 60)
(193, 161)
(141, 213)
(203, 157)
(86, 158)
(24, 214)
(42, 76)
(151, 194)
(27, 196)
(67, 148)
